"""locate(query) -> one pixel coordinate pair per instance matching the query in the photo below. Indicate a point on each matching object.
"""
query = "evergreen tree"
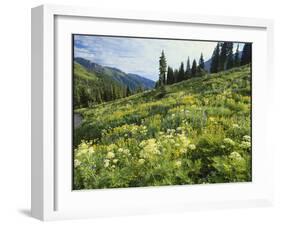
(176, 75)
(181, 73)
(194, 68)
(128, 91)
(162, 69)
(201, 62)
(170, 76)
(156, 84)
(188, 69)
(223, 56)
(99, 100)
(111, 93)
(246, 57)
(236, 57)
(215, 59)
(84, 98)
(229, 55)
(114, 93)
(139, 89)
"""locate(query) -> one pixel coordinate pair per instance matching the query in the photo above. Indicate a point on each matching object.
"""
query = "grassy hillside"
(81, 73)
(196, 131)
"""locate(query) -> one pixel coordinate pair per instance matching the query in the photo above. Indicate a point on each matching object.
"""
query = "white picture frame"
(52, 197)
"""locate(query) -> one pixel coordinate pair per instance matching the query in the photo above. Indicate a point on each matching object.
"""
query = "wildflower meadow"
(196, 131)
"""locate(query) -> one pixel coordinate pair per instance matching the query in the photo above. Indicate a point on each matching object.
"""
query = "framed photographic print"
(137, 113)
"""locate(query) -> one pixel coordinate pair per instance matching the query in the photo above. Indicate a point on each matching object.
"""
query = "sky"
(140, 55)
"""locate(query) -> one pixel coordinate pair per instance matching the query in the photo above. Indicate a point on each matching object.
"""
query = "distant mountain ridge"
(133, 81)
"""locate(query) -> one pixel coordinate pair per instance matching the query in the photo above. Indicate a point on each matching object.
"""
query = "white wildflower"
(126, 151)
(247, 138)
(245, 144)
(229, 141)
(106, 163)
(141, 161)
(91, 150)
(150, 148)
(192, 146)
(235, 126)
(178, 164)
(77, 163)
(120, 150)
(183, 151)
(235, 156)
(110, 155)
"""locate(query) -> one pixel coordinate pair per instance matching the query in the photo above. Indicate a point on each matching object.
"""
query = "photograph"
(153, 111)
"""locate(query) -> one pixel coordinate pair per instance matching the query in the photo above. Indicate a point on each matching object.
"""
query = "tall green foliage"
(229, 55)
(201, 62)
(162, 69)
(128, 91)
(246, 54)
(215, 59)
(223, 56)
(236, 57)
(176, 75)
(170, 76)
(194, 68)
(188, 69)
(181, 74)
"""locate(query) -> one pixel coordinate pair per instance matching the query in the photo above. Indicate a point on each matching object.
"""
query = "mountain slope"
(193, 93)
(192, 132)
(133, 81)
(91, 88)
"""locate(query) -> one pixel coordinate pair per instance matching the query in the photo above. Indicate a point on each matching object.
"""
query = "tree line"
(87, 93)
(168, 75)
(222, 59)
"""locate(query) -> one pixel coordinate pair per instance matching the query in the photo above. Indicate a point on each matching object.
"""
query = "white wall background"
(15, 112)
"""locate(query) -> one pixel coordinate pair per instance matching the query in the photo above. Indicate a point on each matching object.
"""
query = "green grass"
(196, 131)
(81, 73)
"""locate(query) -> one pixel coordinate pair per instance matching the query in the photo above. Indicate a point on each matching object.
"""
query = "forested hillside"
(94, 84)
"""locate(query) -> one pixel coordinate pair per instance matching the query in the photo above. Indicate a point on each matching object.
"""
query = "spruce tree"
(99, 100)
(229, 55)
(176, 75)
(194, 68)
(201, 62)
(215, 59)
(156, 84)
(162, 69)
(170, 76)
(236, 62)
(181, 73)
(128, 91)
(223, 56)
(246, 57)
(188, 69)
